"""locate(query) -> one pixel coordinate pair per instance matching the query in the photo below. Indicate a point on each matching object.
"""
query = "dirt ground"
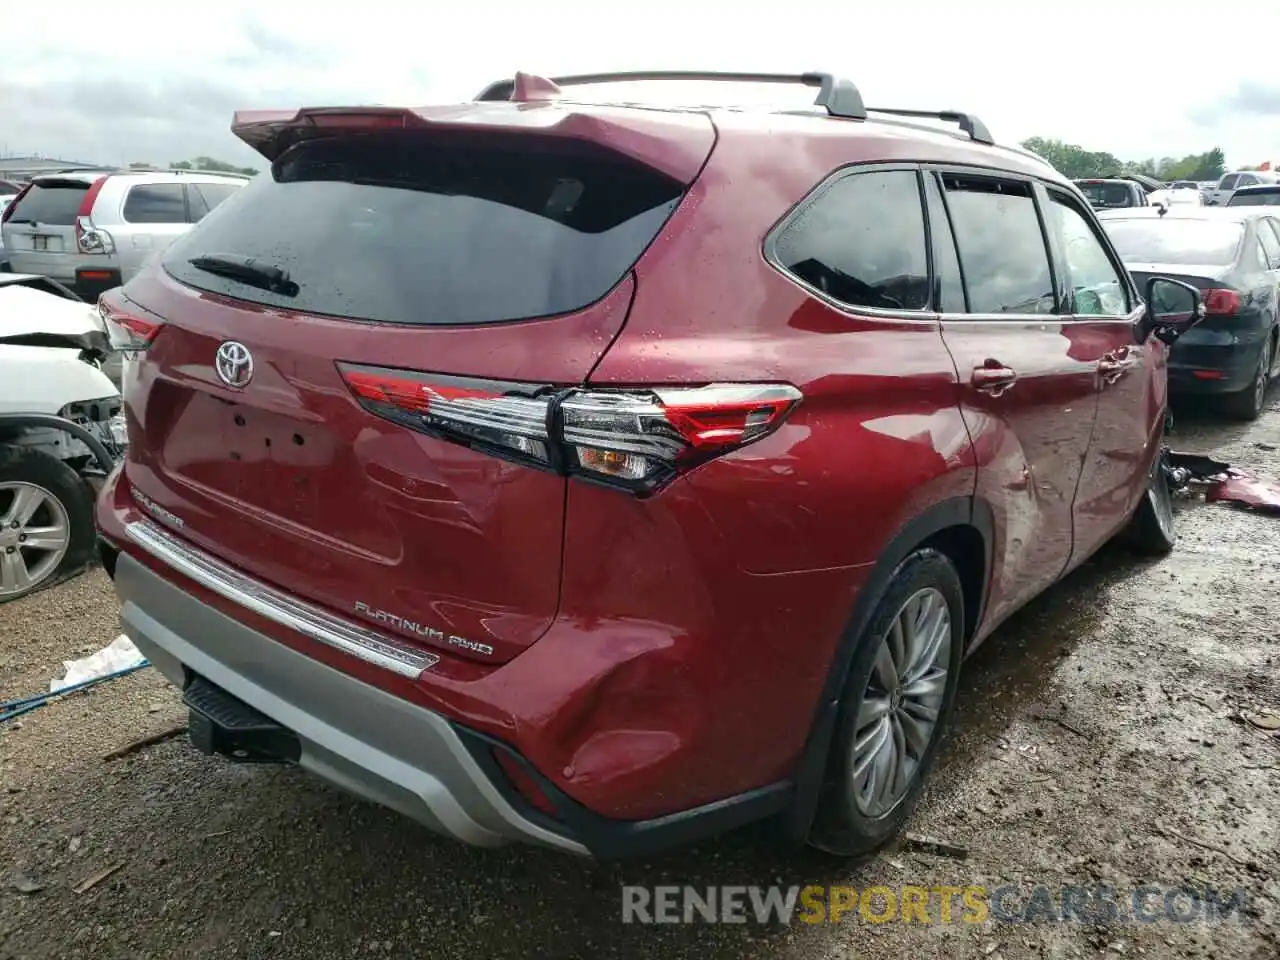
(1098, 741)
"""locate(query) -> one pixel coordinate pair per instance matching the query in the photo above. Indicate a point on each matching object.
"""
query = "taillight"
(13, 204)
(128, 332)
(89, 239)
(638, 439)
(1221, 302)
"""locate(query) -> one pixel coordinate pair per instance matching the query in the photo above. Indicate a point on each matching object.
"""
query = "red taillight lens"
(13, 204)
(128, 332)
(637, 439)
(1221, 302)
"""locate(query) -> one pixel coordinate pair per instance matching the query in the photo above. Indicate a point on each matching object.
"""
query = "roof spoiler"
(676, 146)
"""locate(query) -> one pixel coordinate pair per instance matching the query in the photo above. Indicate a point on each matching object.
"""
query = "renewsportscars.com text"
(1150, 903)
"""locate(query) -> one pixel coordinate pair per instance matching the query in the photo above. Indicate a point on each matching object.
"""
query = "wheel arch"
(963, 529)
(11, 425)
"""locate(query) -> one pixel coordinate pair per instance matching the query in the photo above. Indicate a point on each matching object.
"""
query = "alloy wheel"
(898, 717)
(1264, 374)
(1161, 497)
(35, 533)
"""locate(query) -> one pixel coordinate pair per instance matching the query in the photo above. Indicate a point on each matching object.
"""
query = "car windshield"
(1107, 194)
(1255, 198)
(1161, 240)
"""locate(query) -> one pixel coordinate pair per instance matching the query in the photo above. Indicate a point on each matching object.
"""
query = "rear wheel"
(1247, 404)
(896, 705)
(46, 522)
(1151, 531)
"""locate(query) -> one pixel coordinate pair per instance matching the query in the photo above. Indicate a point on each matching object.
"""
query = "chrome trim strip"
(277, 606)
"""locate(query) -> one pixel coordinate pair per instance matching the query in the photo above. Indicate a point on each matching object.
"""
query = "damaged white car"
(61, 431)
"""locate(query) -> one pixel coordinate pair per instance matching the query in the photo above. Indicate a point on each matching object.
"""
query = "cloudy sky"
(153, 82)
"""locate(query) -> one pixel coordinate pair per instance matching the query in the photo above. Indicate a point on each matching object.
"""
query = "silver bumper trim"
(278, 606)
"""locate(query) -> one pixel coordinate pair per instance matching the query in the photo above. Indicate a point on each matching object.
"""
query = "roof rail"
(214, 173)
(975, 128)
(838, 96)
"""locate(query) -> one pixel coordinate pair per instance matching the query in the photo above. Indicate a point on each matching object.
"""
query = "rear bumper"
(365, 740)
(1224, 363)
(87, 275)
(309, 671)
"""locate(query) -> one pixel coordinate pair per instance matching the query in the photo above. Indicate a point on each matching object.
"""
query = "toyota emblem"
(234, 364)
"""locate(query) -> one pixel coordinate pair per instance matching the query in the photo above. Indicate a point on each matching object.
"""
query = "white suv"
(94, 229)
(1231, 182)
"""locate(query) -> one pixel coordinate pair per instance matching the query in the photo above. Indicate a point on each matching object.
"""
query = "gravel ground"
(1098, 741)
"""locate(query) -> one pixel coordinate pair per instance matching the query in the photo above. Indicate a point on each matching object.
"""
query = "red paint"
(651, 654)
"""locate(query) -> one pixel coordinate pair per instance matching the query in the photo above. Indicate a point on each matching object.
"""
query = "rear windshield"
(425, 230)
(1255, 198)
(1105, 195)
(1175, 241)
(52, 203)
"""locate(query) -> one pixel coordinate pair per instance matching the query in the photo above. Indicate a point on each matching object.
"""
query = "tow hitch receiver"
(219, 723)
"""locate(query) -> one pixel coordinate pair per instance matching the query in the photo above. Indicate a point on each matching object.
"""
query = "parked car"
(1113, 193)
(1258, 195)
(1175, 194)
(1231, 182)
(92, 230)
(487, 468)
(1232, 255)
(61, 432)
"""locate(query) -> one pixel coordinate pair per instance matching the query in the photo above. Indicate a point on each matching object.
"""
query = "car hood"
(38, 312)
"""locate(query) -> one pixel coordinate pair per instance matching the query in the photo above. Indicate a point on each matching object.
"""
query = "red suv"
(606, 476)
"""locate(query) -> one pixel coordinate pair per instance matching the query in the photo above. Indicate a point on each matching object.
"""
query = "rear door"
(153, 215)
(449, 264)
(1027, 384)
(39, 227)
(1130, 376)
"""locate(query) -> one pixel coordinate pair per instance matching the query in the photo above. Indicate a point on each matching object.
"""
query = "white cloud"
(158, 82)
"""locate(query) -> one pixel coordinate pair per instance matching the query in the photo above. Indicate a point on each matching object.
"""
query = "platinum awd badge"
(421, 629)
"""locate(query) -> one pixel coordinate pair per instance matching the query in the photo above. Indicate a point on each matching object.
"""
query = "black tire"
(59, 481)
(1152, 531)
(1248, 404)
(841, 826)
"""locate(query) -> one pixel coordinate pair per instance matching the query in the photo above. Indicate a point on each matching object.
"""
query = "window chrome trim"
(279, 607)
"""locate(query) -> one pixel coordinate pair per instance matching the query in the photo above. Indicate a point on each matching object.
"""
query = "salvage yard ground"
(1098, 741)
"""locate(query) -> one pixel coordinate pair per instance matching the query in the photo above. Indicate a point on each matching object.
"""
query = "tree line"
(1078, 163)
(210, 165)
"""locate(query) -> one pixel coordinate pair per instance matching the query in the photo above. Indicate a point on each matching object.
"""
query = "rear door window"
(155, 203)
(861, 241)
(436, 229)
(55, 203)
(1001, 245)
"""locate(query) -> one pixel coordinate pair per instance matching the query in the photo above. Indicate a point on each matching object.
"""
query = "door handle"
(993, 378)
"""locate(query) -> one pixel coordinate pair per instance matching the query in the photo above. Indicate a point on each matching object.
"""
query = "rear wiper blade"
(247, 270)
